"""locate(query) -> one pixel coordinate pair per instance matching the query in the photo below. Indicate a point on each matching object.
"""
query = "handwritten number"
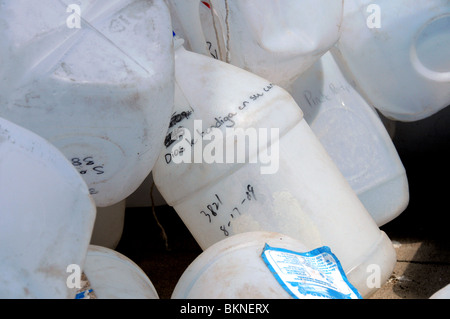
(99, 170)
(225, 231)
(88, 160)
(209, 216)
(250, 192)
(76, 161)
(209, 48)
(211, 209)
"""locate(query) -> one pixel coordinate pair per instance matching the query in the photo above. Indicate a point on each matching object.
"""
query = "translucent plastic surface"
(46, 217)
(95, 79)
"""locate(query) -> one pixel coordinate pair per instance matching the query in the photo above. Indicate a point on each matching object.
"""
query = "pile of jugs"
(258, 121)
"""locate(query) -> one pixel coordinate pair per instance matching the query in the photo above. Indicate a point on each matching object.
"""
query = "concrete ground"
(420, 234)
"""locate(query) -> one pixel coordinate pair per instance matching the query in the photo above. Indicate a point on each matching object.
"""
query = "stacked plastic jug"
(397, 51)
(94, 82)
(282, 180)
(97, 82)
(47, 216)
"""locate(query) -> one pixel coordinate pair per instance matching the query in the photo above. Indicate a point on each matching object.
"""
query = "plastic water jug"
(281, 180)
(287, 35)
(194, 21)
(113, 275)
(349, 129)
(46, 216)
(354, 136)
(255, 265)
(398, 52)
(108, 227)
(93, 78)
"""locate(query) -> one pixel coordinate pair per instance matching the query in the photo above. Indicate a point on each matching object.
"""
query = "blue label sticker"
(314, 274)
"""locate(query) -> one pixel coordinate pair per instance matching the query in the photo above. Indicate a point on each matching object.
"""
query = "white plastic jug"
(46, 216)
(108, 227)
(113, 275)
(355, 138)
(101, 91)
(398, 52)
(347, 126)
(288, 35)
(282, 180)
(237, 268)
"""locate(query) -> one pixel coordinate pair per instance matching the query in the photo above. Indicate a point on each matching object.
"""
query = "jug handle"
(189, 15)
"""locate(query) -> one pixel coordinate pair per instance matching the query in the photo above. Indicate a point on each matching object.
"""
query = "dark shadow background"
(424, 147)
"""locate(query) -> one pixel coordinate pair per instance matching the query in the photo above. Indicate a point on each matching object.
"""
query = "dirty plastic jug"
(398, 53)
(94, 78)
(46, 216)
(108, 226)
(287, 35)
(347, 126)
(258, 265)
(113, 275)
(355, 137)
(281, 180)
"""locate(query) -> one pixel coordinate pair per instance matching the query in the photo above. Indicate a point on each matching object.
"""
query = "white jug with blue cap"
(398, 52)
(46, 217)
(95, 78)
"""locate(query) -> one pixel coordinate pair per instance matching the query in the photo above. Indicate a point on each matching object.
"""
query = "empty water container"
(46, 216)
(346, 124)
(354, 136)
(264, 265)
(257, 35)
(398, 53)
(241, 157)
